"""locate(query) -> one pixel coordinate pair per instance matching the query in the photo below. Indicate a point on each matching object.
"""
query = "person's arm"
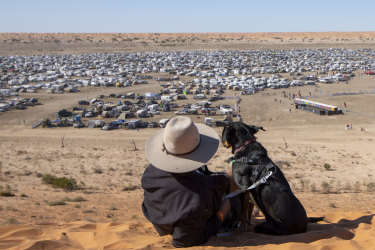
(197, 230)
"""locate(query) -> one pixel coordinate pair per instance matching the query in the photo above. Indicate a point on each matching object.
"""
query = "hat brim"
(209, 143)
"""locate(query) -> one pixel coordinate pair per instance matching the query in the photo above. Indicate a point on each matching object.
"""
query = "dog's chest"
(244, 174)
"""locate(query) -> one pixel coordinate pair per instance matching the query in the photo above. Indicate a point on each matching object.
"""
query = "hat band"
(164, 149)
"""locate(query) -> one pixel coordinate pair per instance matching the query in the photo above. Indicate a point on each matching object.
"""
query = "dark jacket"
(184, 205)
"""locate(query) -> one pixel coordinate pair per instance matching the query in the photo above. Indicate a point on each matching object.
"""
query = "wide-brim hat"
(182, 146)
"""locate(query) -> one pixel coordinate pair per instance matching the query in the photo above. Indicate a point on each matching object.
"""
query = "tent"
(96, 123)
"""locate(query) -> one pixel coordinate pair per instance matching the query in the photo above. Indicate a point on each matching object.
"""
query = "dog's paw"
(256, 212)
(244, 226)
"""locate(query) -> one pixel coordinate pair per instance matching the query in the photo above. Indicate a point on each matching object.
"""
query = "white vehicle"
(163, 122)
(209, 121)
(226, 111)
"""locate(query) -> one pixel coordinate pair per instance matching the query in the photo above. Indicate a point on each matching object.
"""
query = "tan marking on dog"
(227, 145)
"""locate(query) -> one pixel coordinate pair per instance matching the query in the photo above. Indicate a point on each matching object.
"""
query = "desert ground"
(329, 168)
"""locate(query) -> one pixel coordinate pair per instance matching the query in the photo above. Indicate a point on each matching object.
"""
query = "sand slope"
(105, 165)
(349, 230)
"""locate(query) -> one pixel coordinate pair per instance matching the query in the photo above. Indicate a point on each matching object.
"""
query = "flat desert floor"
(106, 211)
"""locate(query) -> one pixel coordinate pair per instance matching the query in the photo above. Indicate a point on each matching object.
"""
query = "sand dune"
(63, 43)
(348, 230)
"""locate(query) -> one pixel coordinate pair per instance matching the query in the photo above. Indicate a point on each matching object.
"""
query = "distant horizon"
(268, 32)
(186, 16)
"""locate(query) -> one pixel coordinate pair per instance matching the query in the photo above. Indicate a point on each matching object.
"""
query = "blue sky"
(144, 16)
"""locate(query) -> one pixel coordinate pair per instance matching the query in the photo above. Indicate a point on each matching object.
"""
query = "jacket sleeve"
(195, 231)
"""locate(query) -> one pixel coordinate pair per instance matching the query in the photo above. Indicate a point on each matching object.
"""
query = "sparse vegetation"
(370, 187)
(57, 203)
(348, 187)
(76, 199)
(98, 170)
(6, 191)
(130, 188)
(327, 166)
(332, 204)
(357, 186)
(130, 173)
(326, 187)
(11, 221)
(313, 187)
(304, 183)
(68, 184)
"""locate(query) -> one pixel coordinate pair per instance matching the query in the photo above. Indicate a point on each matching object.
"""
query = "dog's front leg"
(246, 212)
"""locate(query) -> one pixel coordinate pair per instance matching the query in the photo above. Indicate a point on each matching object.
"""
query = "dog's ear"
(226, 134)
(261, 128)
(254, 129)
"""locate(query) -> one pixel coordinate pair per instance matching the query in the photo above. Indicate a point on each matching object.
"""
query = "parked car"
(83, 102)
(183, 111)
(110, 126)
(78, 125)
(153, 125)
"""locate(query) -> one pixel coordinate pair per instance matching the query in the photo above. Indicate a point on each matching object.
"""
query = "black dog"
(284, 213)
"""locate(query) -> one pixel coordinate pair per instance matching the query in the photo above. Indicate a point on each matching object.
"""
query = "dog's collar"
(243, 145)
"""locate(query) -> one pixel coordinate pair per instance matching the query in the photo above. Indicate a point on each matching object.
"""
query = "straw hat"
(182, 146)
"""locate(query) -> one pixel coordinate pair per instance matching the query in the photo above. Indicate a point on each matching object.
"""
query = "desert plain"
(329, 168)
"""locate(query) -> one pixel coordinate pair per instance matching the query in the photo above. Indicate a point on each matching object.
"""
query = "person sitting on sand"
(181, 196)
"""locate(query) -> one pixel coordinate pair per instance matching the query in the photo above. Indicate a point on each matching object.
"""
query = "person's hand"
(225, 208)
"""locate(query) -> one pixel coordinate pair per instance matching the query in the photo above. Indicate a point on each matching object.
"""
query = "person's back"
(183, 204)
(181, 197)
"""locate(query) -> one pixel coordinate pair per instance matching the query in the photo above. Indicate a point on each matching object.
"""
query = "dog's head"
(237, 133)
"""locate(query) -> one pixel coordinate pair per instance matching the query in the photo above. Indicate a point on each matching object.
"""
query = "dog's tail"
(314, 219)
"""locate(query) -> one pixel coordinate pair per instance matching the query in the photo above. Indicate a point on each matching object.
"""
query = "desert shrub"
(357, 186)
(57, 203)
(78, 199)
(326, 187)
(313, 187)
(98, 170)
(68, 184)
(130, 188)
(348, 187)
(332, 204)
(6, 191)
(327, 166)
(370, 187)
(12, 221)
(304, 183)
(130, 173)
(27, 173)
